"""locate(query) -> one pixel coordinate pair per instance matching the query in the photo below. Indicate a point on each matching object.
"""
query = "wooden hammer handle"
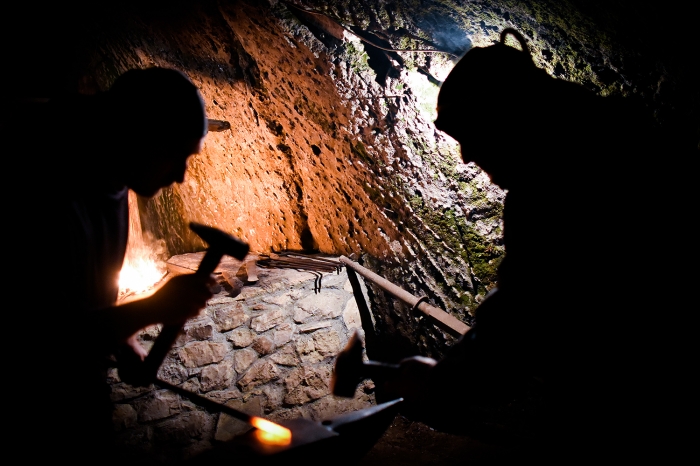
(168, 335)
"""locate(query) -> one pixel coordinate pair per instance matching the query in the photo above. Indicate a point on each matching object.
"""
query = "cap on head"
(160, 101)
(490, 75)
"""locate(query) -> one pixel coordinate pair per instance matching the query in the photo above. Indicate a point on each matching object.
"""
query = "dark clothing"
(73, 158)
(96, 238)
(580, 315)
(96, 227)
(74, 242)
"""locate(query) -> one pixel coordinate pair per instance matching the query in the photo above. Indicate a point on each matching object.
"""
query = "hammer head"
(349, 368)
(221, 241)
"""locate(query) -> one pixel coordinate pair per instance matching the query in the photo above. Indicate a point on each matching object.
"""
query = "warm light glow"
(144, 265)
(138, 275)
(270, 433)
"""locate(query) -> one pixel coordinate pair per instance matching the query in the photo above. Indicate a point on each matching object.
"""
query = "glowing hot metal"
(270, 433)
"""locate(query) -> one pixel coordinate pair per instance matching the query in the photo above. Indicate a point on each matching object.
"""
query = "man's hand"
(138, 350)
(130, 362)
(181, 298)
(411, 379)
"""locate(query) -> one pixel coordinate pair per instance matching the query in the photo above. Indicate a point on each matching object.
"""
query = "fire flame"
(143, 265)
(139, 274)
(270, 433)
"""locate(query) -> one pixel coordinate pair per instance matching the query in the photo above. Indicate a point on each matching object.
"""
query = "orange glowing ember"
(270, 433)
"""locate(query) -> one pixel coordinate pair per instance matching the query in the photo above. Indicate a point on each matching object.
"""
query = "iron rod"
(205, 402)
(449, 323)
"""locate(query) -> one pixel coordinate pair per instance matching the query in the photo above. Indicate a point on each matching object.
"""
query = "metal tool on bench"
(298, 439)
(299, 261)
(312, 442)
(269, 433)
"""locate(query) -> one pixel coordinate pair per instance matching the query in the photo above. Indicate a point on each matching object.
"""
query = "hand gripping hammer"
(350, 369)
(220, 244)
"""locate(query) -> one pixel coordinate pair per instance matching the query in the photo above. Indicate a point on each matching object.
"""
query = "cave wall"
(318, 157)
(331, 146)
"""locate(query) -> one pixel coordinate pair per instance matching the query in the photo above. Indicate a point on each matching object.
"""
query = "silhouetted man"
(75, 158)
(585, 313)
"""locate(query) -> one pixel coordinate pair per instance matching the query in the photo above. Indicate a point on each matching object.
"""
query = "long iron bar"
(365, 315)
(301, 264)
(318, 276)
(205, 402)
(335, 263)
(312, 261)
(442, 319)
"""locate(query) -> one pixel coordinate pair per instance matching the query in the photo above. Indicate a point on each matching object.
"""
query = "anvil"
(342, 440)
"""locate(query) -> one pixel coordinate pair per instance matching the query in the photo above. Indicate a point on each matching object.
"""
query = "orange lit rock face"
(317, 157)
(287, 167)
(323, 152)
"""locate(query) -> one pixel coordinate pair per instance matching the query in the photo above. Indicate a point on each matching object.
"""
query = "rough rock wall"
(610, 46)
(266, 348)
(320, 155)
(332, 147)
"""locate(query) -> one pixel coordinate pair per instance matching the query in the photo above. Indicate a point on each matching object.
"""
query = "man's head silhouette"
(486, 103)
(158, 119)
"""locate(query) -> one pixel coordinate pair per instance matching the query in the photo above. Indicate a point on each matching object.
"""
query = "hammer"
(350, 369)
(220, 244)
